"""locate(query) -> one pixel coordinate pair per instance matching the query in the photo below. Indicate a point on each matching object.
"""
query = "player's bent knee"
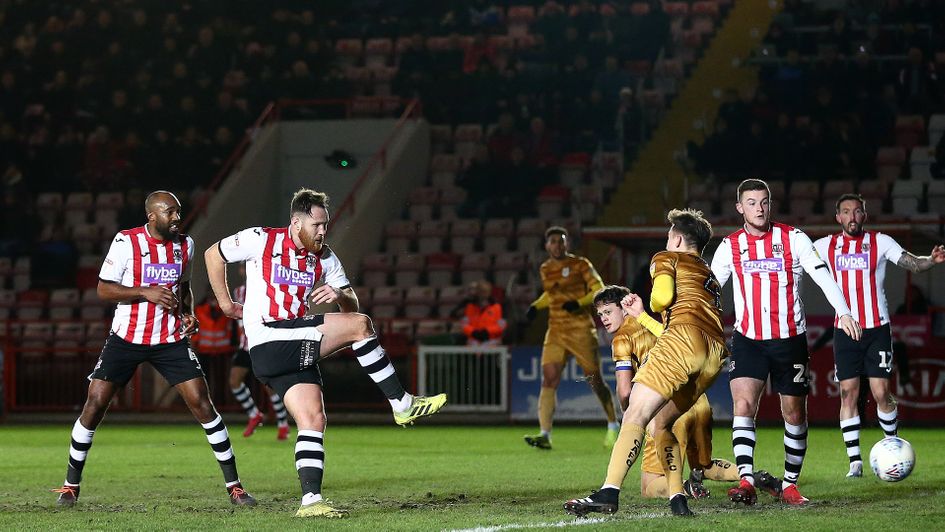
(743, 407)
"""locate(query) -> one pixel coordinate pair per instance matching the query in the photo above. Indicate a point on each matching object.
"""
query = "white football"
(892, 459)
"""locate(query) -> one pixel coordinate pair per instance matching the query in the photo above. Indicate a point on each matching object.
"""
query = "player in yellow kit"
(682, 364)
(631, 343)
(569, 284)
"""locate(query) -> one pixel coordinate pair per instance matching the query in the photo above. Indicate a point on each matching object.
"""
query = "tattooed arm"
(915, 264)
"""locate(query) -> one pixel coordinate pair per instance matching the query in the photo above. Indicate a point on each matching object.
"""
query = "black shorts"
(786, 361)
(283, 363)
(241, 359)
(175, 362)
(872, 356)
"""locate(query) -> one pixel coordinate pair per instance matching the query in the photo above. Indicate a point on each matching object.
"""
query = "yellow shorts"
(683, 364)
(582, 343)
(693, 430)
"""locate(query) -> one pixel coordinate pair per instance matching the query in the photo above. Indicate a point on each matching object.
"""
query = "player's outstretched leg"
(357, 331)
(421, 406)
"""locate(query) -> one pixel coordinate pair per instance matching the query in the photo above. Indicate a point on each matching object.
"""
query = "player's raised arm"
(815, 267)
(916, 264)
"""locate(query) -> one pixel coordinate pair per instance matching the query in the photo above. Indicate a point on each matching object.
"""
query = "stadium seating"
(407, 269)
(431, 235)
(419, 302)
(906, 196)
(399, 235)
(464, 235)
(62, 303)
(441, 269)
(449, 298)
(920, 162)
(496, 234)
(474, 267)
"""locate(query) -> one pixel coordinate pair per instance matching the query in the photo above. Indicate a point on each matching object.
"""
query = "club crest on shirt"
(310, 261)
(178, 255)
(565, 271)
(777, 249)
(866, 247)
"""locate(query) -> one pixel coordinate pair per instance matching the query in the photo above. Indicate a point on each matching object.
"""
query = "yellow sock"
(656, 489)
(625, 453)
(721, 470)
(546, 408)
(668, 448)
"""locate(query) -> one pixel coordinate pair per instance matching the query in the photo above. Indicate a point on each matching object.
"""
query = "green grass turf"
(430, 478)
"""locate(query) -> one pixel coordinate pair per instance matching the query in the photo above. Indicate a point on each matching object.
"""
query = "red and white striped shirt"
(135, 258)
(859, 267)
(279, 276)
(768, 272)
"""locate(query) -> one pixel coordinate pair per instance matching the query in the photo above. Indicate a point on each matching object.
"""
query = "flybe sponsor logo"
(161, 273)
(283, 275)
(774, 264)
(852, 261)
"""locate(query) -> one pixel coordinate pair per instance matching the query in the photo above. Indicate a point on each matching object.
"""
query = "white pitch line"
(560, 524)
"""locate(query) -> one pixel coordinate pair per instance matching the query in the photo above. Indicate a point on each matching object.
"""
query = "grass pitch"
(431, 478)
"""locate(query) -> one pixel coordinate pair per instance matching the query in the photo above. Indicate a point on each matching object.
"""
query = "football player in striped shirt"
(288, 268)
(147, 274)
(857, 258)
(767, 261)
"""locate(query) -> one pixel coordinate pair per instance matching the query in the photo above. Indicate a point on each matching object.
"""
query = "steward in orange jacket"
(215, 336)
(482, 320)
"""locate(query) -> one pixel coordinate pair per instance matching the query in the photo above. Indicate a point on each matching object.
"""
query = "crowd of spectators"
(831, 84)
(101, 96)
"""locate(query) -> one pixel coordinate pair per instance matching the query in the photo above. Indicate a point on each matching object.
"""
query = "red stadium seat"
(441, 268)
(419, 301)
(496, 234)
(676, 9)
(508, 267)
(474, 267)
(910, 131)
(705, 9)
(464, 233)
(639, 8)
(450, 199)
(431, 234)
(421, 203)
(530, 234)
(449, 298)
